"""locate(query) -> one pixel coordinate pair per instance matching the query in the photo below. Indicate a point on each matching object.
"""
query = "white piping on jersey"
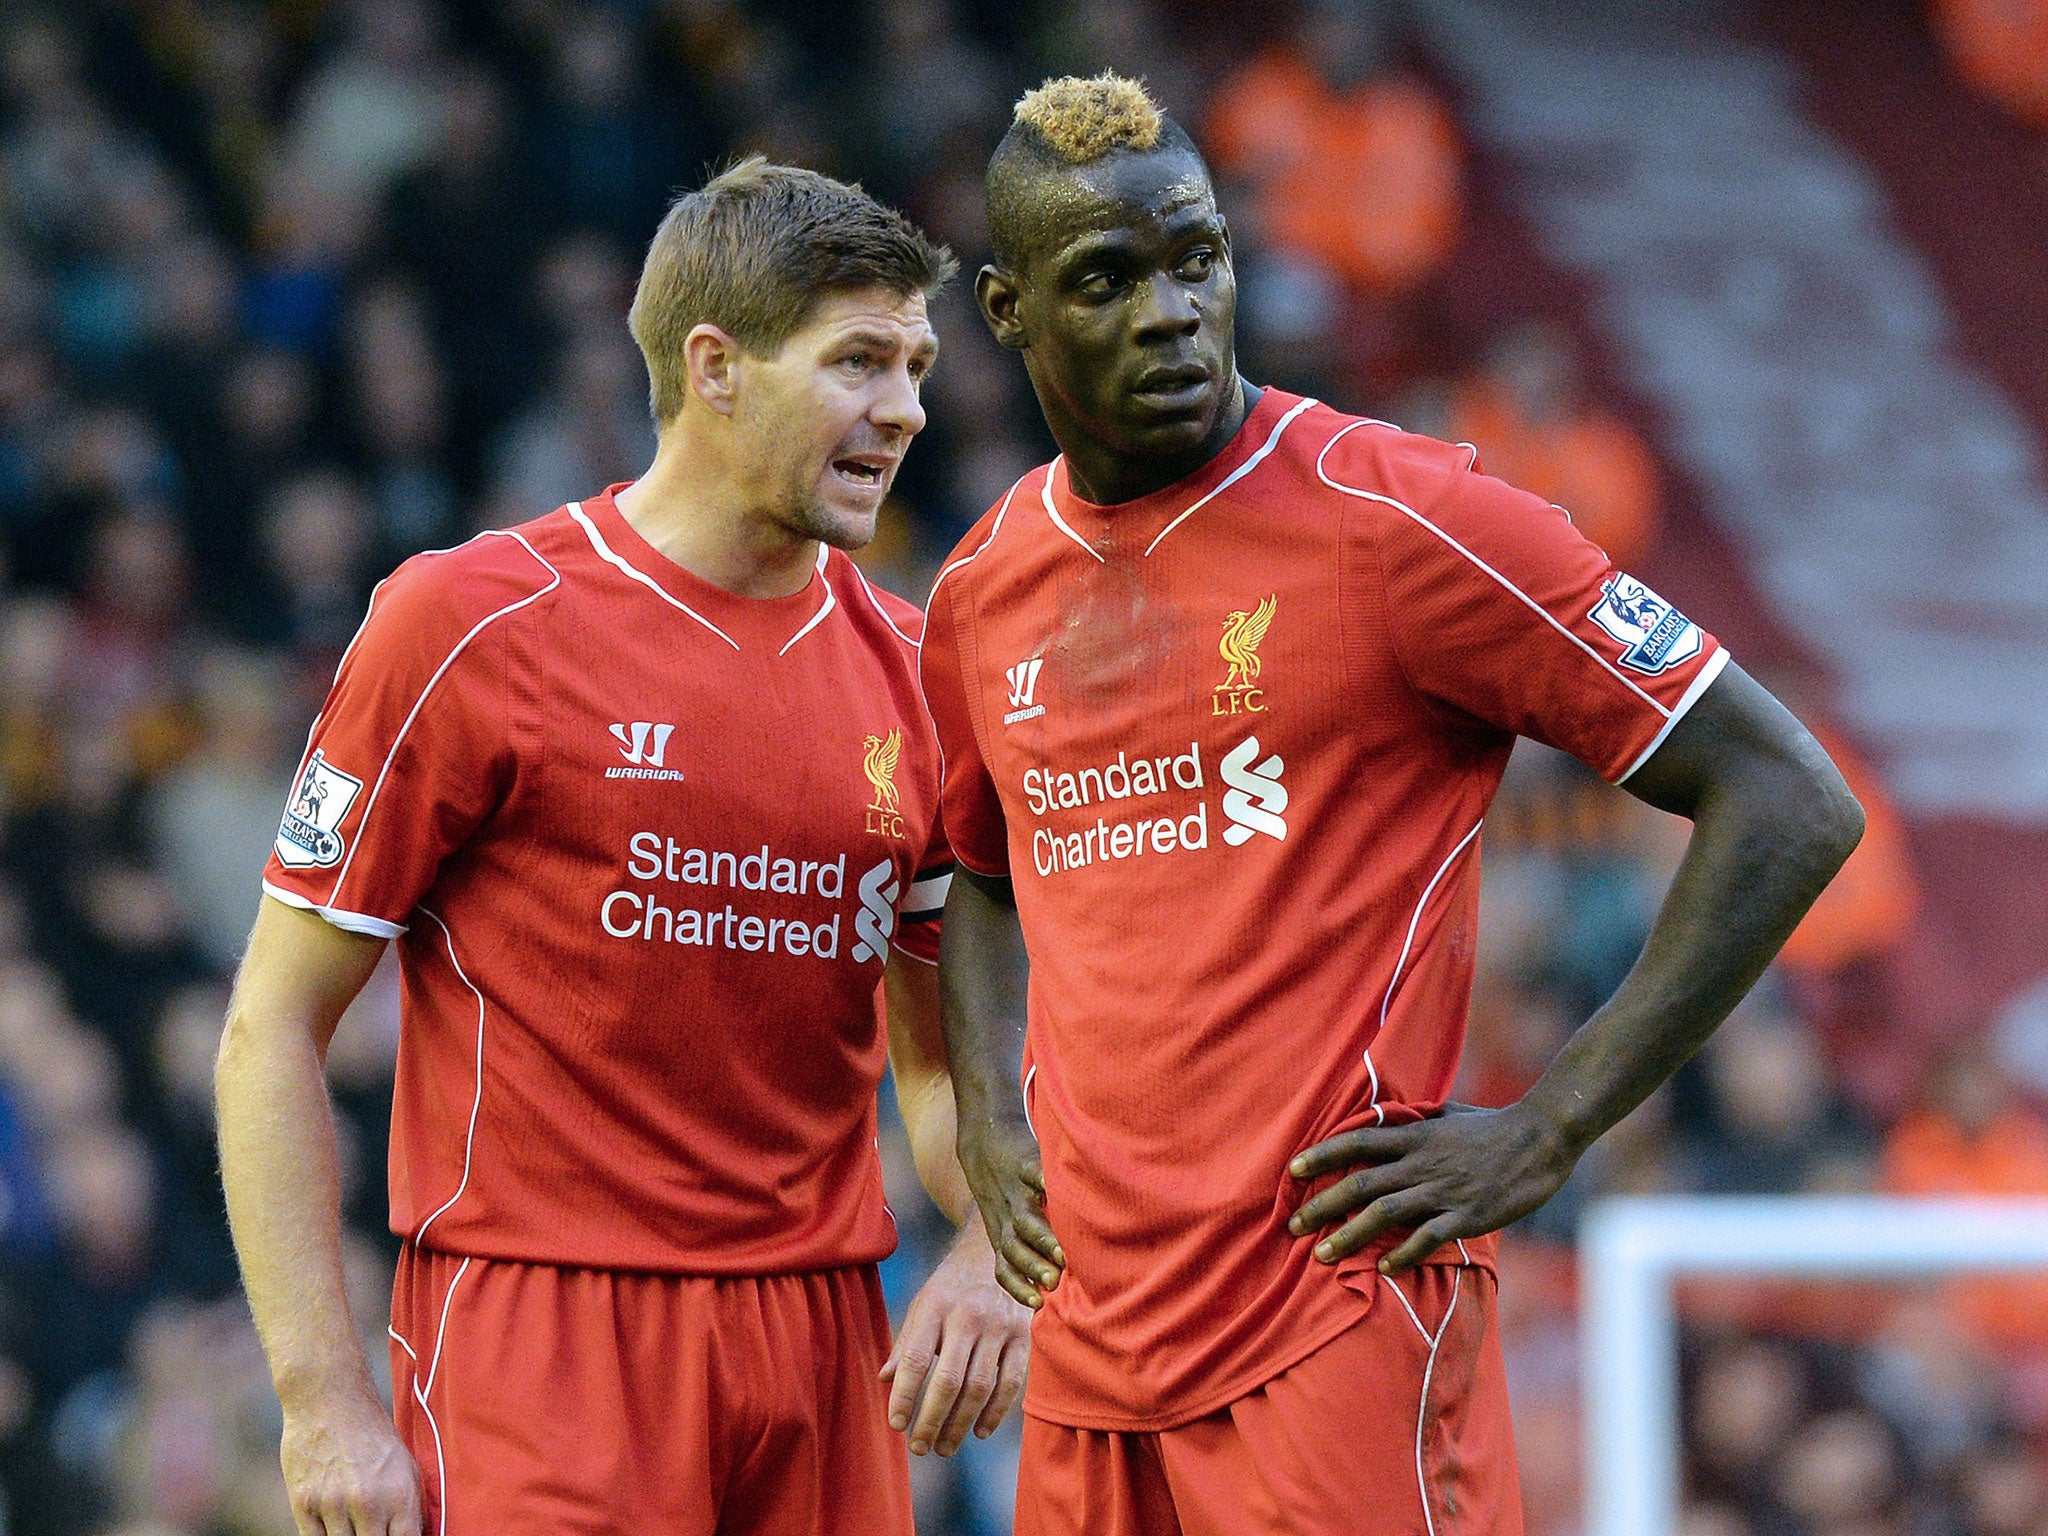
(350, 649)
(425, 554)
(1422, 1410)
(488, 533)
(938, 581)
(441, 1333)
(440, 1460)
(400, 1338)
(1535, 607)
(420, 1393)
(340, 917)
(1434, 1341)
(476, 1103)
(876, 603)
(1406, 1305)
(994, 528)
(1237, 474)
(1028, 1125)
(824, 608)
(1053, 512)
(1713, 669)
(1415, 919)
(370, 806)
(1379, 1113)
(606, 553)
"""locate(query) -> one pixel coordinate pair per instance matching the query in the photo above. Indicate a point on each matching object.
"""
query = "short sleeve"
(411, 750)
(1499, 608)
(973, 812)
(919, 919)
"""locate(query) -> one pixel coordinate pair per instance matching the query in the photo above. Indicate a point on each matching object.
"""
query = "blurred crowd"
(290, 289)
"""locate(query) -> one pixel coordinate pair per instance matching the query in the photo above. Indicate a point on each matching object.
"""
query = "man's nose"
(898, 407)
(1166, 308)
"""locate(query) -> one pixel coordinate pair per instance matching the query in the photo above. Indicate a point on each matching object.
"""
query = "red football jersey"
(644, 846)
(1233, 742)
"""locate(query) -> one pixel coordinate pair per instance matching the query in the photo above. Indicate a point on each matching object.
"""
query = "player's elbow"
(230, 1056)
(249, 1044)
(1821, 820)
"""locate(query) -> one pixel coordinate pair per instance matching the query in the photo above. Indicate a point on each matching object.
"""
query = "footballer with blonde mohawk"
(1224, 693)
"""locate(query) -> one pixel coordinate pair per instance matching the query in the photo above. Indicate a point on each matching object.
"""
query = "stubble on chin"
(812, 519)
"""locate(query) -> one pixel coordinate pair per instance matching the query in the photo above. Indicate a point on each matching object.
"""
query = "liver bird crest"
(880, 766)
(1242, 633)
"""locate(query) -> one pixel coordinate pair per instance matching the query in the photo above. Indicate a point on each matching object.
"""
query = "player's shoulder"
(435, 599)
(1002, 529)
(1363, 456)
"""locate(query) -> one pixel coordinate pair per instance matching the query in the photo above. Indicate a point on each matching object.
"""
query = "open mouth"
(867, 473)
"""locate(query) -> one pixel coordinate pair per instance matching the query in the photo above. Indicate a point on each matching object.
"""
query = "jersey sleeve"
(973, 812)
(1501, 609)
(918, 920)
(411, 750)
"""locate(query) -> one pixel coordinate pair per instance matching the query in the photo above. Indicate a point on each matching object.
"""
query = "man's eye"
(1196, 266)
(1101, 285)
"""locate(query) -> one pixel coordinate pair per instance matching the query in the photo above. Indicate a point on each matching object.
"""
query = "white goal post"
(1632, 1250)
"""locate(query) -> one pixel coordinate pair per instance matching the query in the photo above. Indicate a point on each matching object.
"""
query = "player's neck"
(1107, 478)
(693, 519)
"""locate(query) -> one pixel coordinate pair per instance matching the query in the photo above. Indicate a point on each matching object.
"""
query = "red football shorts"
(1396, 1427)
(557, 1402)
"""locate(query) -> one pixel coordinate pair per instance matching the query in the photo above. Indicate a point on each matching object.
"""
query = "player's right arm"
(410, 753)
(983, 975)
(346, 1470)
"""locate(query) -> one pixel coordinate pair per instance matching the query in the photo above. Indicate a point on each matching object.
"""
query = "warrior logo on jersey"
(1023, 680)
(879, 765)
(1239, 693)
(1654, 636)
(310, 837)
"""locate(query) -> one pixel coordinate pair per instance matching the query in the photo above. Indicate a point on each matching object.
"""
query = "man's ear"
(711, 364)
(996, 292)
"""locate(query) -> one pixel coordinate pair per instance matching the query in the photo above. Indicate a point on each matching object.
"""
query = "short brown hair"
(752, 252)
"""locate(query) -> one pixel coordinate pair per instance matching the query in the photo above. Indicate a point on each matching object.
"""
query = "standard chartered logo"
(1253, 797)
(876, 919)
(1254, 802)
(779, 905)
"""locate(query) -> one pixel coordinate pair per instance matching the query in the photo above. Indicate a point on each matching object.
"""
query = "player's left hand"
(1467, 1172)
(965, 1344)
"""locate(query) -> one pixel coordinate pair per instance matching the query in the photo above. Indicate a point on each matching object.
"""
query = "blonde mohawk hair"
(1081, 120)
(1062, 129)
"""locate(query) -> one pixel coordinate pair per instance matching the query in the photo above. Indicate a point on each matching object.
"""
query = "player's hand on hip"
(1467, 1172)
(965, 1345)
(1000, 1159)
(346, 1470)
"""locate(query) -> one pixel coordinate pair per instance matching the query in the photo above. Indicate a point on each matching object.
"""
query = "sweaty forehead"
(1136, 194)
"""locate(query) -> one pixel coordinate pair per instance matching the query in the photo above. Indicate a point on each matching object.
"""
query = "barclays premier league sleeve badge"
(1654, 636)
(311, 835)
